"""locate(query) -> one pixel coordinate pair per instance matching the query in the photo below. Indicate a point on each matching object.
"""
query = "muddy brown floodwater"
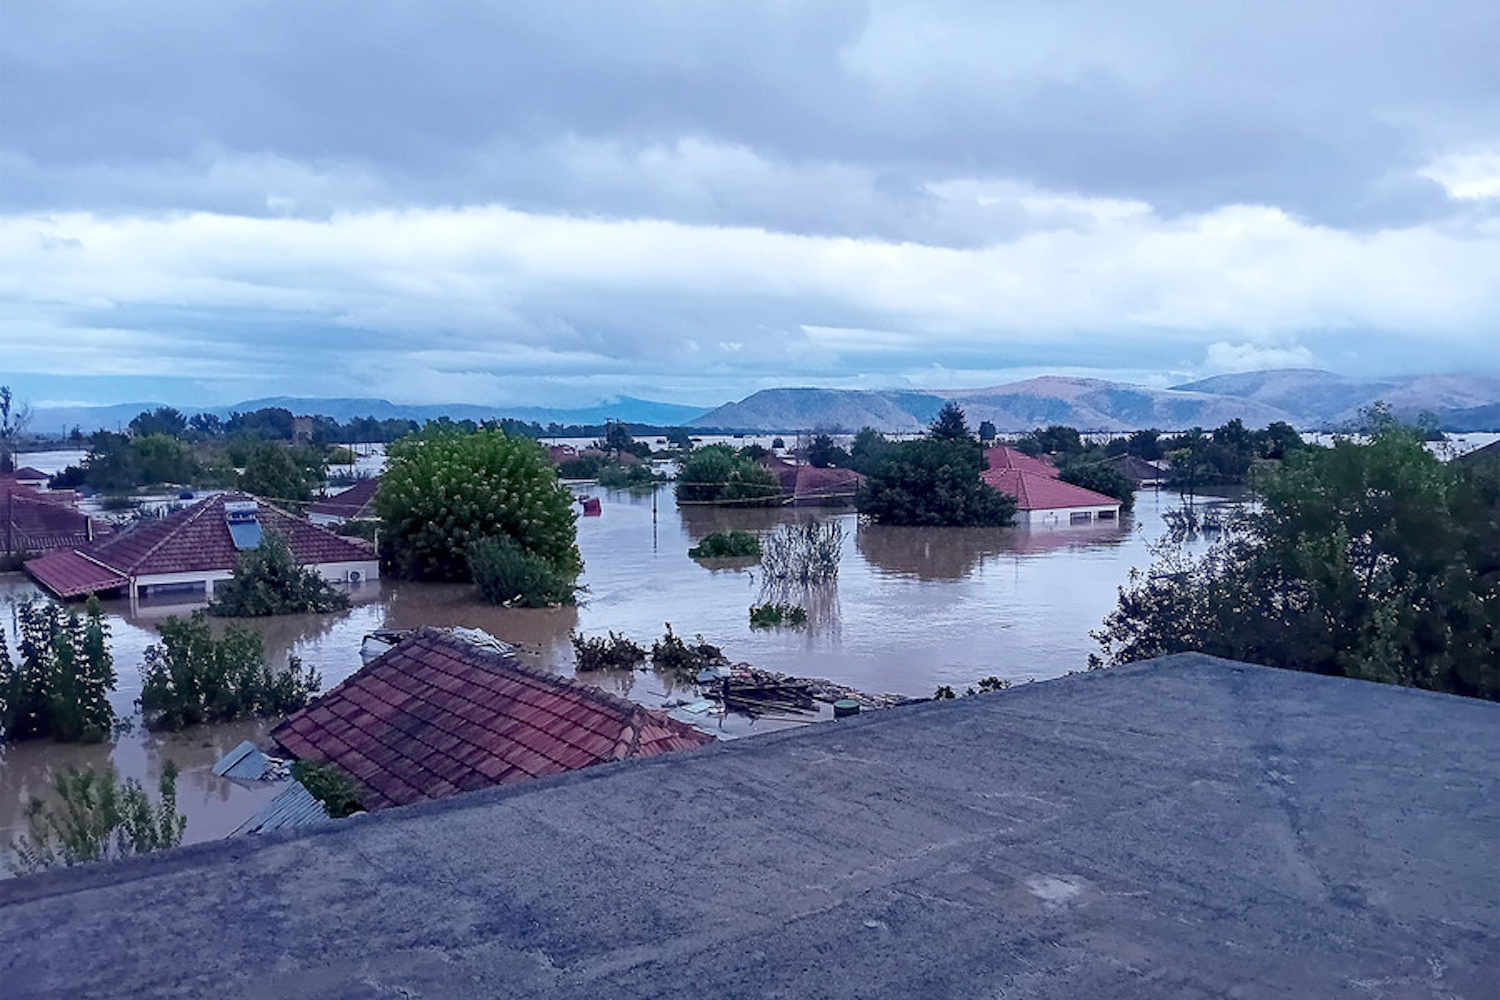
(912, 608)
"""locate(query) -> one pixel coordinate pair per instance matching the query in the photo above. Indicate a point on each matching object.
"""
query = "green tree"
(933, 481)
(716, 474)
(162, 420)
(870, 446)
(161, 458)
(278, 472)
(443, 491)
(822, 453)
(950, 425)
(97, 819)
(13, 421)
(190, 677)
(58, 685)
(1374, 561)
(1101, 477)
(268, 580)
(987, 431)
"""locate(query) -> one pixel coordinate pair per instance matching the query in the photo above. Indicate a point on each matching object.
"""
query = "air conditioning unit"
(354, 576)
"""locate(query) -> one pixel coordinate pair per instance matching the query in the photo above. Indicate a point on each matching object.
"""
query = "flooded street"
(912, 608)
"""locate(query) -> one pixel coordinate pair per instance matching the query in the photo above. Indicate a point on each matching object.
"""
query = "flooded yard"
(912, 608)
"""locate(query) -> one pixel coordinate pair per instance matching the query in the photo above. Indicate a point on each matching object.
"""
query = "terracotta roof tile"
(1005, 457)
(1034, 492)
(470, 717)
(355, 502)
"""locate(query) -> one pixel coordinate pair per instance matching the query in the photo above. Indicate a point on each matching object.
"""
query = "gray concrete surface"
(1185, 828)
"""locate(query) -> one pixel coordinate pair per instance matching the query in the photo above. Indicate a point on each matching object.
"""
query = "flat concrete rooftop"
(1187, 827)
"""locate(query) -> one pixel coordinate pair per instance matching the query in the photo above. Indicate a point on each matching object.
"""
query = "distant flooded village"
(689, 587)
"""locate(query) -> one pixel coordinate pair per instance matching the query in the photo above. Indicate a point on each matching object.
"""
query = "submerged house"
(440, 714)
(810, 486)
(357, 503)
(32, 521)
(196, 547)
(1042, 499)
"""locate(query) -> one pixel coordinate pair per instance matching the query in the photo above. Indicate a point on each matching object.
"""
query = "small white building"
(1046, 500)
(195, 548)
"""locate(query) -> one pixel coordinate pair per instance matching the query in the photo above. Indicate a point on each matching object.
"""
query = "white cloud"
(1468, 176)
(1226, 357)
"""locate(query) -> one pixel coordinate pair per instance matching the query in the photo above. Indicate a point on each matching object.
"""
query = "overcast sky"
(554, 203)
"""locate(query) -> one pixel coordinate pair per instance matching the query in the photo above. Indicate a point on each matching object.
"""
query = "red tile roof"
(28, 474)
(1035, 492)
(68, 573)
(439, 714)
(351, 503)
(38, 522)
(806, 484)
(1004, 457)
(197, 540)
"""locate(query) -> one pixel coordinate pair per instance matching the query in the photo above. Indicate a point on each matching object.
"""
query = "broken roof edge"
(63, 881)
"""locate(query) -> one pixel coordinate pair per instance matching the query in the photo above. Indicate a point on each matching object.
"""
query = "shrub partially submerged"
(774, 615)
(191, 677)
(613, 653)
(727, 545)
(268, 580)
(804, 553)
(59, 683)
(671, 655)
(97, 819)
(510, 575)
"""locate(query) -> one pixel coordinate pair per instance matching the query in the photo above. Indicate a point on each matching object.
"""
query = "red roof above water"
(194, 540)
(1035, 492)
(1004, 457)
(438, 715)
(351, 503)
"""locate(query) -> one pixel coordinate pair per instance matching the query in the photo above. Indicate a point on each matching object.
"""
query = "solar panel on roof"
(246, 534)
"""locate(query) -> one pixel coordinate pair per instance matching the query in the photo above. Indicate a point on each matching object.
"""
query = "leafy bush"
(1374, 561)
(716, 474)
(803, 553)
(727, 545)
(613, 653)
(98, 819)
(338, 792)
(509, 575)
(445, 490)
(276, 472)
(59, 684)
(773, 615)
(671, 655)
(191, 677)
(268, 580)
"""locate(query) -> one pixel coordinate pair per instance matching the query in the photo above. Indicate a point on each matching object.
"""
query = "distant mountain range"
(61, 419)
(1307, 399)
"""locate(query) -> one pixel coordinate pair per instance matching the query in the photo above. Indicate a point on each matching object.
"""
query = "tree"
(1101, 477)
(59, 684)
(190, 677)
(444, 490)
(987, 431)
(617, 438)
(870, 446)
(97, 819)
(1373, 561)
(274, 472)
(206, 424)
(933, 481)
(950, 424)
(268, 580)
(161, 458)
(162, 420)
(13, 422)
(717, 474)
(823, 453)
(680, 438)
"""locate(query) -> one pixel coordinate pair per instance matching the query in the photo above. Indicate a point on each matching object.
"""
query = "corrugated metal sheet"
(244, 762)
(293, 806)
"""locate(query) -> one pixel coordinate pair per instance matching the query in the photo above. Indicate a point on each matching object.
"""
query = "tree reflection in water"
(955, 553)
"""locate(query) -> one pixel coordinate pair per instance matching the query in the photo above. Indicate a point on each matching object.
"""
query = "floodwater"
(912, 608)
